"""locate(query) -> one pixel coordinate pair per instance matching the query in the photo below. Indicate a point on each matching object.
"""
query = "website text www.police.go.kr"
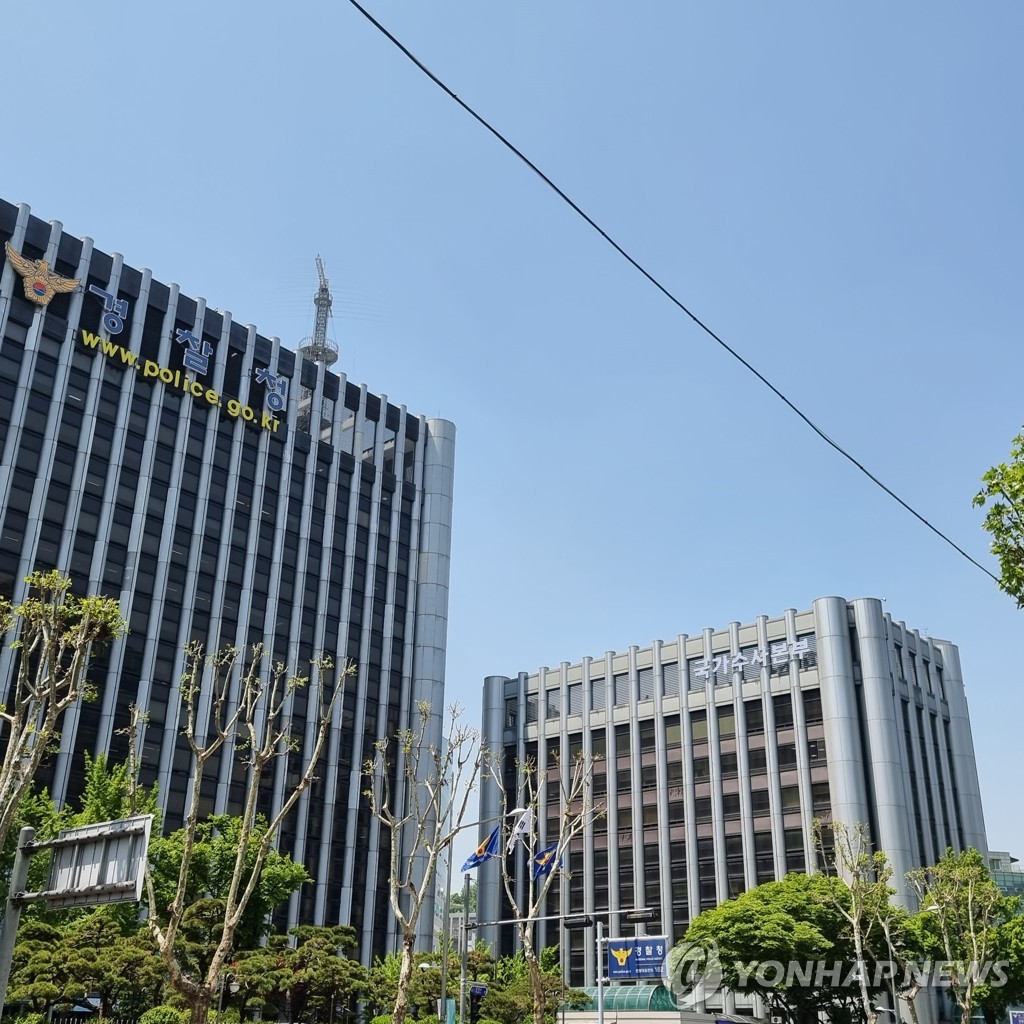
(180, 381)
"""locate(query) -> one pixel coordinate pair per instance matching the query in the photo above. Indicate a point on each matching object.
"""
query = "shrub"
(165, 1015)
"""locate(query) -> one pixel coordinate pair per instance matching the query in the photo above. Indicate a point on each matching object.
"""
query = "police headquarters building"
(716, 752)
(229, 491)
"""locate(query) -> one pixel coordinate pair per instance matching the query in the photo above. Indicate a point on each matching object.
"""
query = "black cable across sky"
(668, 294)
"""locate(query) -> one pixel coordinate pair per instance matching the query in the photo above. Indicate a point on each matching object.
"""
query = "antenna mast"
(320, 348)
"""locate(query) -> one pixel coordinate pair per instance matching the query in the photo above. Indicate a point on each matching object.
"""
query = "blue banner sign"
(640, 956)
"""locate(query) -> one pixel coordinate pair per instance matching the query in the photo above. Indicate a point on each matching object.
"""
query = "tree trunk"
(908, 998)
(202, 1000)
(537, 987)
(404, 979)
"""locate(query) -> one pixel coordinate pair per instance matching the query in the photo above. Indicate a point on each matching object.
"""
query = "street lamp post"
(464, 950)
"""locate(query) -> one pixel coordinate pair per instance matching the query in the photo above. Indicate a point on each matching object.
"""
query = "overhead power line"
(666, 292)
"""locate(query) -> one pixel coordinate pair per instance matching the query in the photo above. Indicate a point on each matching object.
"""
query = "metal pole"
(446, 943)
(464, 949)
(12, 913)
(600, 972)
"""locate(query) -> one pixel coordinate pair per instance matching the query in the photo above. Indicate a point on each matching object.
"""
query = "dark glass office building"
(230, 491)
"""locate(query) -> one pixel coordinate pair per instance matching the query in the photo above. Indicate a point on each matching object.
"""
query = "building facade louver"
(225, 490)
(714, 754)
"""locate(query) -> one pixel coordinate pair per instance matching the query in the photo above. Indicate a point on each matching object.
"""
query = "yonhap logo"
(692, 972)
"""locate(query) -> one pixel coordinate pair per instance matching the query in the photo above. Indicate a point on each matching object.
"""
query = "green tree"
(794, 920)
(510, 995)
(122, 970)
(38, 974)
(966, 910)
(995, 998)
(308, 981)
(382, 984)
(1003, 494)
(216, 845)
(55, 634)
(456, 899)
(111, 792)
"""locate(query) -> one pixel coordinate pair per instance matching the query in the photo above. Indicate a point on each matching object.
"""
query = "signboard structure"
(92, 865)
(638, 956)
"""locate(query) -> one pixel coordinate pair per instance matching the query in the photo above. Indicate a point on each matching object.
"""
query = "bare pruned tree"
(577, 810)
(866, 872)
(255, 718)
(55, 633)
(423, 810)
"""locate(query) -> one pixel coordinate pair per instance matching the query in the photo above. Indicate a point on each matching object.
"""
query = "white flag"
(521, 829)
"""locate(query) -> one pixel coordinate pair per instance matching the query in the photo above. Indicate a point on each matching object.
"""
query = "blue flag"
(544, 862)
(485, 851)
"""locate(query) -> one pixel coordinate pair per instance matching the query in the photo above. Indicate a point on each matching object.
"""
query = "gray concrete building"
(718, 750)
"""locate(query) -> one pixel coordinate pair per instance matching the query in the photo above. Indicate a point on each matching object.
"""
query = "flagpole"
(464, 966)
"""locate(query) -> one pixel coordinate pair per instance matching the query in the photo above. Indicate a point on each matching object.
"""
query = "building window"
(726, 721)
(645, 683)
(575, 698)
(670, 677)
(757, 760)
(621, 686)
(597, 694)
(622, 741)
(821, 802)
(531, 708)
(511, 712)
(763, 857)
(795, 850)
(554, 703)
(812, 707)
(805, 650)
(787, 756)
(783, 711)
(699, 726)
(648, 735)
(759, 802)
(790, 798)
(673, 732)
(754, 715)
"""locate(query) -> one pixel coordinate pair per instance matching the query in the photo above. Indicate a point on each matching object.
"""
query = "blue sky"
(835, 189)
